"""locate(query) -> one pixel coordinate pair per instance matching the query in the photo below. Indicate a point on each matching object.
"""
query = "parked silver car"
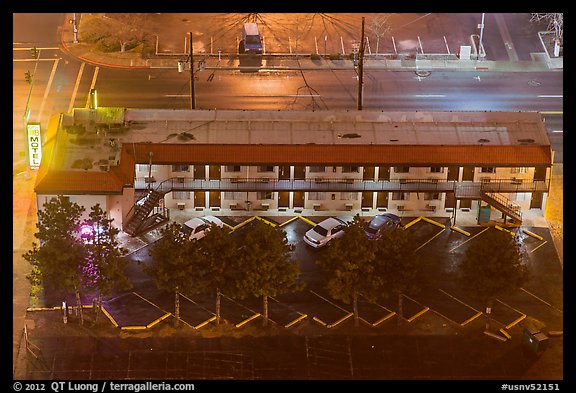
(324, 231)
(200, 226)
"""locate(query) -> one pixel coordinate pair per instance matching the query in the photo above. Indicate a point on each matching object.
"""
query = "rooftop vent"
(526, 141)
(349, 136)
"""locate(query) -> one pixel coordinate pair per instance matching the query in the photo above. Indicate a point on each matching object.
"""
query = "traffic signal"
(34, 53)
(28, 76)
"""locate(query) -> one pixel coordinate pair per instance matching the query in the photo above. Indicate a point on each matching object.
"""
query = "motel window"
(269, 168)
(316, 196)
(431, 196)
(488, 169)
(400, 196)
(232, 168)
(401, 169)
(261, 195)
(180, 168)
(235, 195)
(436, 169)
(522, 196)
(349, 196)
(181, 194)
(350, 169)
(519, 170)
(317, 169)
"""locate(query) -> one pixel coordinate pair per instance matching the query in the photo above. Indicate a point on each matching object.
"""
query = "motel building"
(139, 164)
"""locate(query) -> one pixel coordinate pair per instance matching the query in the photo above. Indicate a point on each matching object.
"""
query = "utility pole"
(361, 68)
(192, 81)
(75, 28)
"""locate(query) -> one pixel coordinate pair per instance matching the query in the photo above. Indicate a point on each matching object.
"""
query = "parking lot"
(439, 247)
(311, 335)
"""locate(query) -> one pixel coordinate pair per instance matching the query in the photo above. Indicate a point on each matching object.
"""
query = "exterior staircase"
(503, 204)
(136, 223)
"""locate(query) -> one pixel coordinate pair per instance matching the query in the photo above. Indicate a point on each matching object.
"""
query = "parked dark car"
(380, 224)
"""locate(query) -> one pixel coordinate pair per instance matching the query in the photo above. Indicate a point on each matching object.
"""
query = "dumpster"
(535, 339)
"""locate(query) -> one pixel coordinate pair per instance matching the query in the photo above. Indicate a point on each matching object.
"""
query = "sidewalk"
(287, 61)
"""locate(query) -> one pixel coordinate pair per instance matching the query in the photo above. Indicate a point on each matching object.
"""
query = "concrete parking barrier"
(244, 322)
(300, 318)
(495, 336)
(504, 230)
(206, 322)
(412, 223)
(338, 322)
(466, 233)
(505, 333)
(433, 222)
(533, 234)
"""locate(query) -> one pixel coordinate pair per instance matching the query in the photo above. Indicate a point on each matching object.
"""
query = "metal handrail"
(341, 184)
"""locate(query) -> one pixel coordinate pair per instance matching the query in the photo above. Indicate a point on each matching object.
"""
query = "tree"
(555, 23)
(113, 32)
(267, 267)
(104, 268)
(173, 268)
(379, 26)
(216, 264)
(349, 263)
(60, 257)
(397, 263)
(493, 266)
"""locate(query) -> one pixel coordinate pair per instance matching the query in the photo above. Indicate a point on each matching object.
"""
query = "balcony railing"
(343, 184)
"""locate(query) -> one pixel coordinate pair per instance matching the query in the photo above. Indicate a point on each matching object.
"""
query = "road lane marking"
(47, 90)
(430, 95)
(76, 85)
(550, 96)
(96, 70)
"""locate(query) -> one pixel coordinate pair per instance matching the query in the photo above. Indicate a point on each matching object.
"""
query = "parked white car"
(200, 226)
(324, 231)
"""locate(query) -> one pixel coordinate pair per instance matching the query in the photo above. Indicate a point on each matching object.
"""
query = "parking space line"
(542, 300)
(266, 221)
(419, 313)
(289, 221)
(432, 238)
(295, 321)
(467, 240)
(110, 317)
(537, 247)
(307, 220)
(250, 318)
(411, 223)
(201, 324)
(478, 313)
(243, 223)
(517, 320)
(328, 301)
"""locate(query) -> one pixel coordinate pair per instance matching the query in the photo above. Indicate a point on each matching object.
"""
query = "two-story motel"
(138, 163)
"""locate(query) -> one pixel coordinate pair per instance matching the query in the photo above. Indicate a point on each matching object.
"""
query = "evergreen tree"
(60, 257)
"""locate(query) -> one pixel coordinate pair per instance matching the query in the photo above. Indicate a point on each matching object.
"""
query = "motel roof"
(94, 150)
